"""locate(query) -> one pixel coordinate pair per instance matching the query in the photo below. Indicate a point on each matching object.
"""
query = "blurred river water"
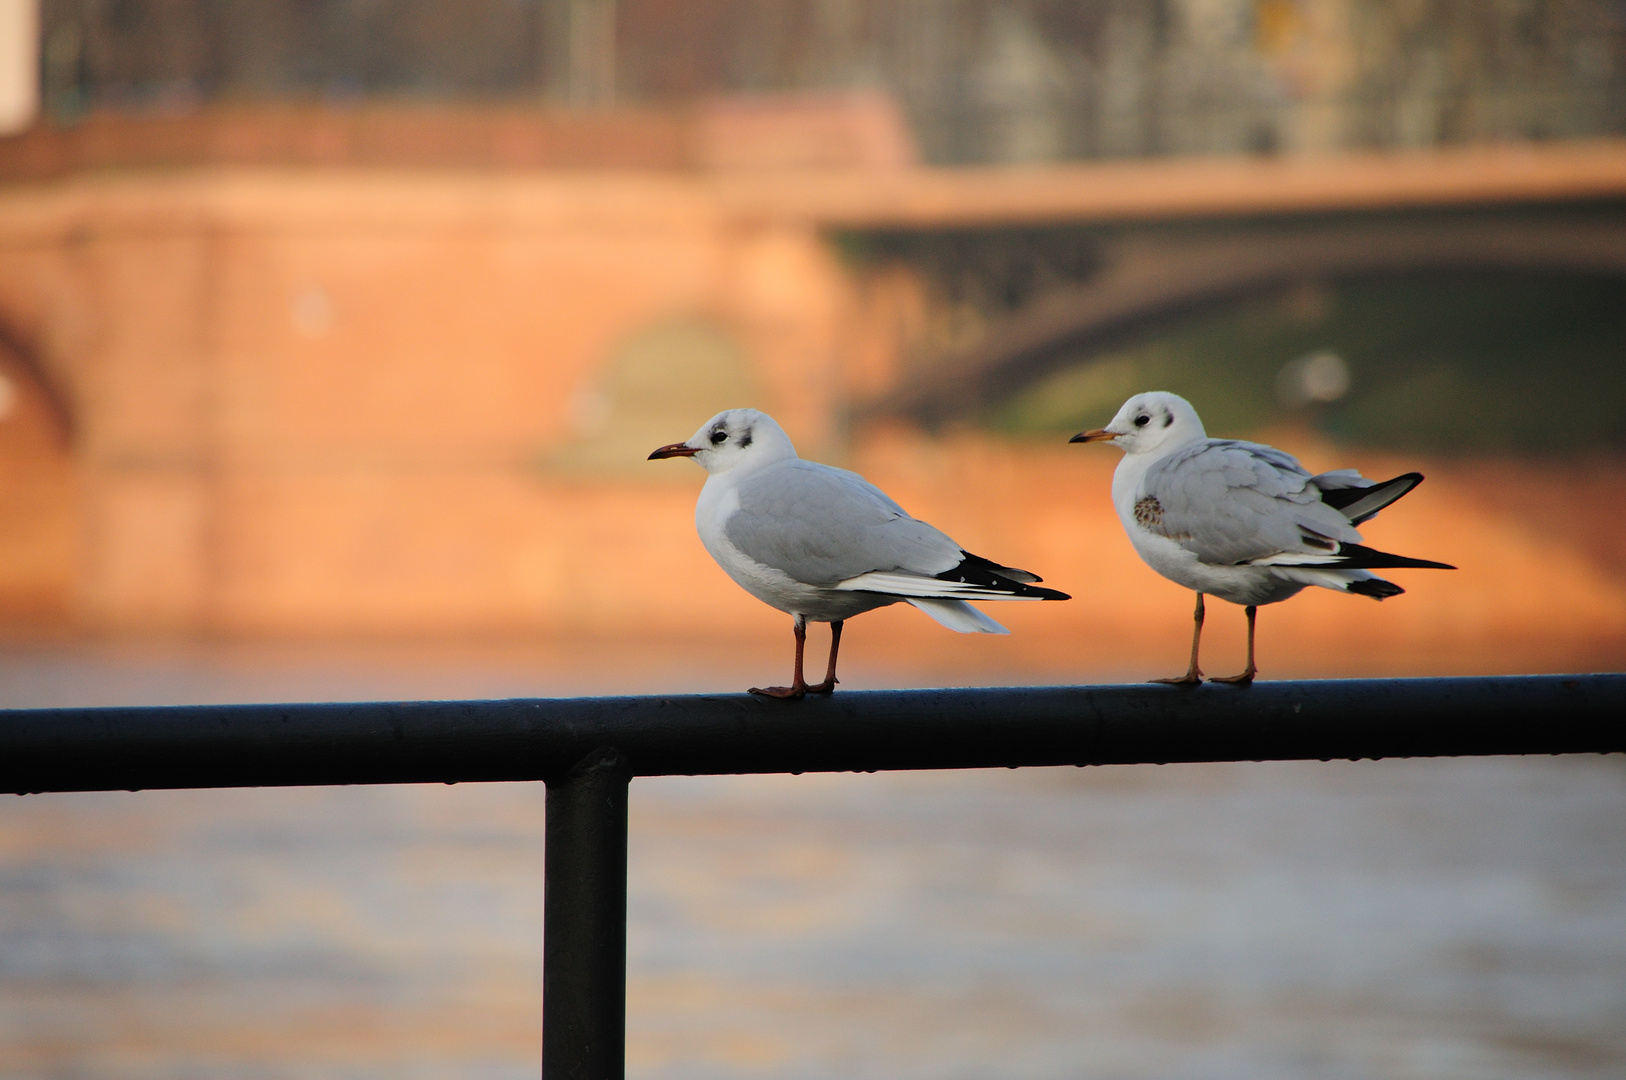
(1393, 919)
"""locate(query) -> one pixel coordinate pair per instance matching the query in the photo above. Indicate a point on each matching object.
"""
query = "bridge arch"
(1146, 279)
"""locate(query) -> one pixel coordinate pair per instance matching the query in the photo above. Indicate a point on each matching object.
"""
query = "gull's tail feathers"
(1359, 503)
(1358, 582)
(957, 615)
(1375, 587)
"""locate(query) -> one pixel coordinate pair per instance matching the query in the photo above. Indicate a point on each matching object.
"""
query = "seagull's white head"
(1154, 421)
(734, 438)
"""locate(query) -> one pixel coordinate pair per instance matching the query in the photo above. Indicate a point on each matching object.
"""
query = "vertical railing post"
(584, 949)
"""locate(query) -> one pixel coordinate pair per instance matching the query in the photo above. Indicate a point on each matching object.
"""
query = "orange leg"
(828, 686)
(1247, 676)
(1193, 676)
(798, 686)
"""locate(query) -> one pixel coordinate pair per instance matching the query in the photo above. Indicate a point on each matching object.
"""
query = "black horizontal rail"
(587, 749)
(526, 739)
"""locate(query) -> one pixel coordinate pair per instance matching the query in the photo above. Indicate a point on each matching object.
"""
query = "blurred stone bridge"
(246, 394)
(1138, 244)
(1030, 315)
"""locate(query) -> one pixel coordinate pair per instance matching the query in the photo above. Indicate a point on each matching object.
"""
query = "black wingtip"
(976, 570)
(1358, 557)
(1361, 503)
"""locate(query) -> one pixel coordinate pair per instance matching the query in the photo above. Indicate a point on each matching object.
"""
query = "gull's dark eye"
(1142, 421)
(719, 436)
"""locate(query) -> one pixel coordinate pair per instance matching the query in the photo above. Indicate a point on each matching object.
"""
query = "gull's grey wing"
(822, 526)
(1231, 502)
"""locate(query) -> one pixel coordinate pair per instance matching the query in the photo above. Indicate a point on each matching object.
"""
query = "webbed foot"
(784, 693)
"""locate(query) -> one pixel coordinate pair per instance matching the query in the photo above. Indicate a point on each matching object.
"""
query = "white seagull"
(825, 544)
(1238, 520)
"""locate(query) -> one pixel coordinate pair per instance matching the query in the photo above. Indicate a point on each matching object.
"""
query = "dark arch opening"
(21, 363)
(1152, 278)
(37, 491)
(1455, 361)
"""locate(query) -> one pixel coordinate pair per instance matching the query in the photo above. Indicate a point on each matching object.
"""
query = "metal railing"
(587, 750)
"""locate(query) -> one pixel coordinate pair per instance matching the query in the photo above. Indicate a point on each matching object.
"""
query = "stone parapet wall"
(349, 402)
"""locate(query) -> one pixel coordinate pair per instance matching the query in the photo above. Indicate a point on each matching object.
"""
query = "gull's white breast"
(719, 501)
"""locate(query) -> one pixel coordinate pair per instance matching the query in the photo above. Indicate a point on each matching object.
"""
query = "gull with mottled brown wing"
(1239, 520)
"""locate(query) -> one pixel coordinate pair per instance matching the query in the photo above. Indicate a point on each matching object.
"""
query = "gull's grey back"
(1230, 501)
(823, 525)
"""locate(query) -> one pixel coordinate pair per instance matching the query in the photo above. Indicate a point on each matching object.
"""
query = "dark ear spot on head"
(745, 439)
(1168, 418)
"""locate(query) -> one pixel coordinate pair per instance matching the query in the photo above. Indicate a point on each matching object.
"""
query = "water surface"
(1405, 919)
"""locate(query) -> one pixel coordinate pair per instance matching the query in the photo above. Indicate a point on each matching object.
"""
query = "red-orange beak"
(1097, 435)
(676, 449)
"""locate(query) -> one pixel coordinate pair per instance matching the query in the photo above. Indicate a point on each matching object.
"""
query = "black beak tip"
(1078, 438)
